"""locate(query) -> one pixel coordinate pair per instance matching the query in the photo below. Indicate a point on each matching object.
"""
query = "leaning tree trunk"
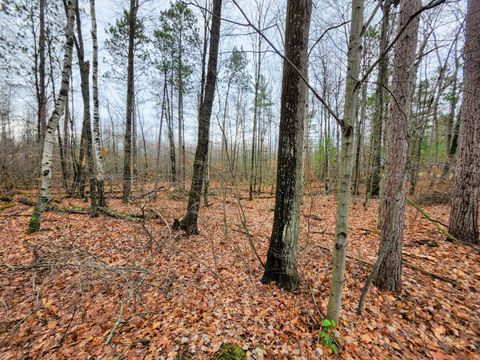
(47, 155)
(127, 160)
(281, 265)
(464, 212)
(189, 221)
(393, 204)
(96, 116)
(346, 162)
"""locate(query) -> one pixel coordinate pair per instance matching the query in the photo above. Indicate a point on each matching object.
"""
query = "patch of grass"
(230, 352)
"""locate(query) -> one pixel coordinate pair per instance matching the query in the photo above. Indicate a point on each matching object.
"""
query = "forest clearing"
(239, 179)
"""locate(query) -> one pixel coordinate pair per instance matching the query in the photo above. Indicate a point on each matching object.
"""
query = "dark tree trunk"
(189, 221)
(452, 127)
(373, 184)
(87, 129)
(171, 140)
(281, 265)
(127, 160)
(464, 213)
(393, 202)
(159, 143)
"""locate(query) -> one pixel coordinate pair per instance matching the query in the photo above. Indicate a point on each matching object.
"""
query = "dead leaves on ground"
(201, 292)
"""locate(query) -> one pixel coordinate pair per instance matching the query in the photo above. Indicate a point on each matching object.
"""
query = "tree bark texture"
(100, 172)
(281, 265)
(463, 223)
(42, 96)
(393, 202)
(346, 161)
(47, 155)
(127, 159)
(189, 221)
(373, 184)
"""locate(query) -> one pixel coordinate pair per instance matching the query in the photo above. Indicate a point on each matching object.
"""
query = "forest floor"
(102, 288)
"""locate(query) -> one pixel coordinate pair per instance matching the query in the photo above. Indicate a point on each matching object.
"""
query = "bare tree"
(373, 184)
(100, 172)
(281, 265)
(127, 160)
(49, 141)
(189, 221)
(346, 161)
(393, 202)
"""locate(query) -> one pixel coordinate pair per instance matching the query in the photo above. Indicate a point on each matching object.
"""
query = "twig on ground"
(18, 324)
(120, 318)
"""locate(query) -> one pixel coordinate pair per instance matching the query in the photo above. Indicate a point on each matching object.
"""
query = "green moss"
(34, 224)
(230, 352)
(5, 198)
(6, 206)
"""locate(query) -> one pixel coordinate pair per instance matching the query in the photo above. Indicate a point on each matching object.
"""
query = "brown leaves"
(204, 291)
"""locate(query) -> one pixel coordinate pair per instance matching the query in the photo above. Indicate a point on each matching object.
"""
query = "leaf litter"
(156, 294)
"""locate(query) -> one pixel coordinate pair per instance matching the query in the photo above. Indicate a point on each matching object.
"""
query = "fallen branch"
(438, 224)
(120, 318)
(128, 216)
(104, 210)
(429, 218)
(50, 207)
(406, 264)
(20, 322)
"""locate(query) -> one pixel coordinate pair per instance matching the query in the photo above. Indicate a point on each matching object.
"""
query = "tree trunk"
(281, 265)
(346, 161)
(358, 138)
(127, 160)
(47, 155)
(189, 221)
(88, 158)
(181, 135)
(373, 184)
(159, 143)
(42, 102)
(99, 162)
(66, 141)
(393, 203)
(452, 129)
(171, 140)
(251, 186)
(464, 212)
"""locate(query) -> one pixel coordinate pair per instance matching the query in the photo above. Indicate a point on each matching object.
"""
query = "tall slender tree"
(346, 160)
(464, 212)
(99, 166)
(393, 202)
(281, 265)
(127, 159)
(189, 221)
(42, 91)
(49, 141)
(86, 144)
(373, 184)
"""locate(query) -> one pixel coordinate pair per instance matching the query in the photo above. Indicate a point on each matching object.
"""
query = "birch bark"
(49, 140)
